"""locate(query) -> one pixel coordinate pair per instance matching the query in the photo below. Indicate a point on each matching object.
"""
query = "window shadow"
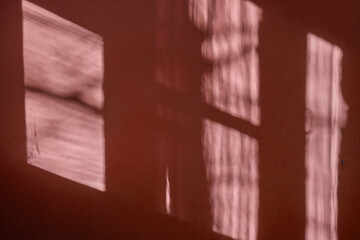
(63, 68)
(172, 140)
(325, 117)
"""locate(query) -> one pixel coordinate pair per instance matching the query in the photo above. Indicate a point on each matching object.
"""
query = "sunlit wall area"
(232, 169)
(63, 97)
(231, 86)
(325, 116)
(231, 45)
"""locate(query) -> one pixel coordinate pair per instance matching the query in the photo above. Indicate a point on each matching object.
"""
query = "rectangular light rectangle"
(63, 97)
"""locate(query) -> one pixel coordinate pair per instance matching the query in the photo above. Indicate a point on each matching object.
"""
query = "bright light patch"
(167, 197)
(326, 115)
(63, 97)
(232, 170)
(232, 86)
(231, 45)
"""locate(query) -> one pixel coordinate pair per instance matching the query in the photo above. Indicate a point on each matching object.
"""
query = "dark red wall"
(35, 204)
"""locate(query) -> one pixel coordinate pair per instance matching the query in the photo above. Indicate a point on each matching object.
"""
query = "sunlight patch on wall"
(232, 169)
(326, 113)
(231, 45)
(232, 86)
(63, 97)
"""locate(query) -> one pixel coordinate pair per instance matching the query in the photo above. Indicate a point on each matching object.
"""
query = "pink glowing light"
(326, 115)
(167, 197)
(231, 157)
(63, 97)
(233, 84)
(232, 169)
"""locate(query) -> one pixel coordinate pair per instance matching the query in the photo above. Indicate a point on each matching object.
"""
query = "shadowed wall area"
(179, 119)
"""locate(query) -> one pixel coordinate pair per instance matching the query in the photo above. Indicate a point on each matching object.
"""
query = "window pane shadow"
(63, 66)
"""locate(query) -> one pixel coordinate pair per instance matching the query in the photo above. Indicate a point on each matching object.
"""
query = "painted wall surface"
(199, 119)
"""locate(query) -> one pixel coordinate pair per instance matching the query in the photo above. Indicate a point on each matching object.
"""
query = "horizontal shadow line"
(72, 98)
(195, 106)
